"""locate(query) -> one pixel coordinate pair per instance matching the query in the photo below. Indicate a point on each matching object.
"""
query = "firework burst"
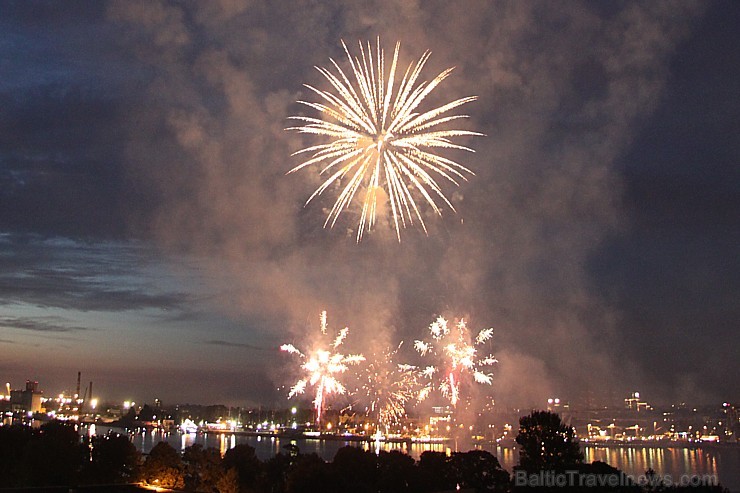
(380, 141)
(388, 386)
(322, 368)
(460, 359)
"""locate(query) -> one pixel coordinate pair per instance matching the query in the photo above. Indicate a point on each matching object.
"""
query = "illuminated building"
(634, 403)
(28, 400)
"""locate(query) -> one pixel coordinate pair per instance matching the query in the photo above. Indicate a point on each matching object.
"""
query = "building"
(633, 403)
(28, 400)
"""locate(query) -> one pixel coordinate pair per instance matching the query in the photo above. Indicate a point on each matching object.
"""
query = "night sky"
(150, 238)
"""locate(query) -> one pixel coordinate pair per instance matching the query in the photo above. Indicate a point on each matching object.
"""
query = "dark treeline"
(55, 455)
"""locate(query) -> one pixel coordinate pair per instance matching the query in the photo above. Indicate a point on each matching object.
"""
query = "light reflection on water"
(724, 463)
(267, 447)
(637, 460)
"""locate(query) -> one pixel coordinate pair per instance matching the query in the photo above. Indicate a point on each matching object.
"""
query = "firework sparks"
(388, 386)
(460, 358)
(380, 141)
(322, 368)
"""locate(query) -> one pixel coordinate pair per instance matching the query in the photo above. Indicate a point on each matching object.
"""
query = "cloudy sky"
(150, 238)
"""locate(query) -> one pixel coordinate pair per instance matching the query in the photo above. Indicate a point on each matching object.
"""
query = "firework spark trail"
(388, 386)
(460, 358)
(322, 368)
(380, 140)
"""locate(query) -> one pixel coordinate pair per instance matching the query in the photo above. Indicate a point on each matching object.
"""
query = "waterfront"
(722, 462)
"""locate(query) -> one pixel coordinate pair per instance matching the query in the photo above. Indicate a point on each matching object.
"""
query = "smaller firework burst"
(322, 368)
(388, 386)
(458, 357)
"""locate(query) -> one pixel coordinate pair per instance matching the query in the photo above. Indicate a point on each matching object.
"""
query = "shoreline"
(440, 440)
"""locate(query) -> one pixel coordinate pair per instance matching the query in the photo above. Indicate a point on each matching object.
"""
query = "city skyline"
(89, 402)
(151, 239)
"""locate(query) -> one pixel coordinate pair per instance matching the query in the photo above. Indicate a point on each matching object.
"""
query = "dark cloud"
(60, 273)
(62, 96)
(41, 324)
(240, 345)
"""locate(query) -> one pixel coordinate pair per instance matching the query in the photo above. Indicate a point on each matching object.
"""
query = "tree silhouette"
(164, 467)
(243, 459)
(356, 469)
(434, 472)
(311, 474)
(547, 443)
(113, 459)
(228, 482)
(478, 470)
(396, 472)
(277, 469)
(13, 442)
(203, 468)
(54, 456)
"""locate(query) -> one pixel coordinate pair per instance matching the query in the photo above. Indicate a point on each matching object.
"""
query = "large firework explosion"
(322, 368)
(458, 359)
(380, 142)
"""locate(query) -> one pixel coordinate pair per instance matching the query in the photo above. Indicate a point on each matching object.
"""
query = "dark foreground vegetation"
(54, 458)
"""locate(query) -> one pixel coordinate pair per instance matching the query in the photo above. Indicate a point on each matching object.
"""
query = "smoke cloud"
(561, 92)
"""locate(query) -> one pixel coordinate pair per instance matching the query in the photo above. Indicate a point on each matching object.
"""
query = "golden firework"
(380, 141)
(388, 387)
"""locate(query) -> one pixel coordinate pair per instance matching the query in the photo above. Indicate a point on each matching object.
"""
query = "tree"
(278, 468)
(54, 456)
(547, 443)
(243, 459)
(13, 441)
(310, 474)
(434, 472)
(396, 471)
(479, 470)
(163, 467)
(113, 459)
(356, 469)
(203, 468)
(228, 482)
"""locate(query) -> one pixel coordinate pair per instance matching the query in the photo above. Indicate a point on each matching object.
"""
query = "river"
(674, 462)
